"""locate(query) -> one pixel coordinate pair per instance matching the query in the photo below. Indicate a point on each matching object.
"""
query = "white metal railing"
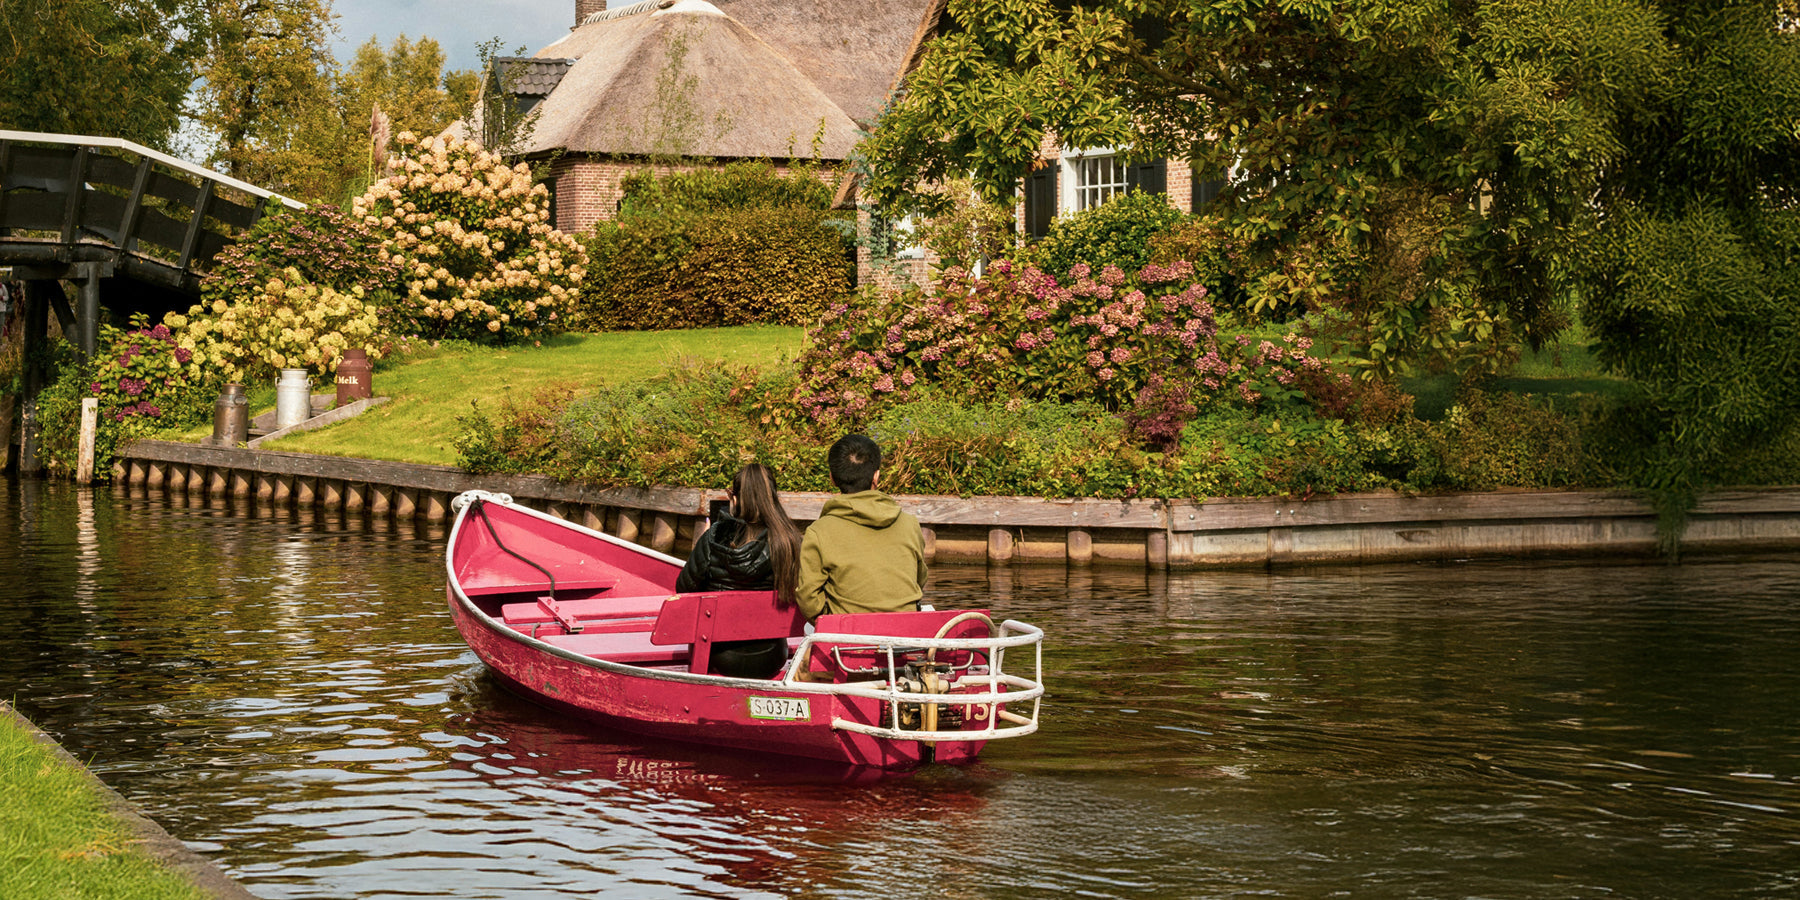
(1011, 634)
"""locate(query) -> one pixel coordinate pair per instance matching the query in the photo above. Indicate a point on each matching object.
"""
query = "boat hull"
(711, 710)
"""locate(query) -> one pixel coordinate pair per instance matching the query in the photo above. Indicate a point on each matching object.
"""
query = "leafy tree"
(265, 95)
(1418, 166)
(407, 79)
(113, 69)
(1448, 178)
(1694, 277)
(408, 84)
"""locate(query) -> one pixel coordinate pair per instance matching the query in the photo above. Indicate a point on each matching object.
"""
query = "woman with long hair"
(753, 546)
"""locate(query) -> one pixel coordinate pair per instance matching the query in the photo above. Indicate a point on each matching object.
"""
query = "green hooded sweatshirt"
(862, 555)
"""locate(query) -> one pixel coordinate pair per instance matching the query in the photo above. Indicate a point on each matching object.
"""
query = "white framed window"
(1090, 176)
(910, 251)
(1096, 179)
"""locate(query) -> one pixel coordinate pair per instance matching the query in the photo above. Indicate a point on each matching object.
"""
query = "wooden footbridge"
(126, 228)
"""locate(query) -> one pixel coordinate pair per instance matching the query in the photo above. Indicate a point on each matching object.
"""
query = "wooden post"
(594, 518)
(240, 483)
(1081, 547)
(118, 473)
(177, 479)
(217, 483)
(331, 493)
(406, 505)
(90, 420)
(1156, 549)
(304, 494)
(436, 505)
(1000, 545)
(929, 535)
(627, 527)
(265, 487)
(356, 496)
(381, 500)
(158, 471)
(8, 404)
(662, 533)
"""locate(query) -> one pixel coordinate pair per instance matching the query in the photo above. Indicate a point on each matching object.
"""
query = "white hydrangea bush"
(287, 323)
(473, 237)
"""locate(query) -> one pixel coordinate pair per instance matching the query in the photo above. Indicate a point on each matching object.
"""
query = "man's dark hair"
(854, 460)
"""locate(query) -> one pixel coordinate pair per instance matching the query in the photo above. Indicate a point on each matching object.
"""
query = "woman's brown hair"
(759, 503)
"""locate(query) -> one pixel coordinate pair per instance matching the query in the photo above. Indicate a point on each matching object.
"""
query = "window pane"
(1097, 178)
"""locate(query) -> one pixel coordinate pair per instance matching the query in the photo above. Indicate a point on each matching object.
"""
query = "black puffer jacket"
(716, 565)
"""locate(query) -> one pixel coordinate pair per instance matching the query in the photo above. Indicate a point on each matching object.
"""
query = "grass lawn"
(1562, 369)
(56, 838)
(432, 388)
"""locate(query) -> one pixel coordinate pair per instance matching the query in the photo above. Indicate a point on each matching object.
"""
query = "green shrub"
(694, 425)
(748, 184)
(1115, 233)
(287, 323)
(144, 382)
(1495, 439)
(937, 445)
(326, 247)
(764, 265)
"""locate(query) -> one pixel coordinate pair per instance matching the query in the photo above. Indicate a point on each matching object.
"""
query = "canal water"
(285, 693)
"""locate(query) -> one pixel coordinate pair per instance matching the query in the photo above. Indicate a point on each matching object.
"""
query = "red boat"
(589, 624)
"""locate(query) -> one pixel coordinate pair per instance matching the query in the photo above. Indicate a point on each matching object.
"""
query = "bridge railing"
(70, 198)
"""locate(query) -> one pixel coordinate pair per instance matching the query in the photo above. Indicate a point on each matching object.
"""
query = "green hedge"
(771, 265)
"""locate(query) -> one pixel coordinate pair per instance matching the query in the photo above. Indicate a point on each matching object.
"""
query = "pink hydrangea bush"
(1105, 337)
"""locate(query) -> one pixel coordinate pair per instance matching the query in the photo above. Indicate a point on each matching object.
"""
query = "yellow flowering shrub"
(287, 322)
(472, 235)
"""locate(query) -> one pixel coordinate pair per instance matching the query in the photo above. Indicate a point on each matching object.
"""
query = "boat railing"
(1002, 688)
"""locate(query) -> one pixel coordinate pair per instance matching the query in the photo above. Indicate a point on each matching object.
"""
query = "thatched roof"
(852, 49)
(683, 79)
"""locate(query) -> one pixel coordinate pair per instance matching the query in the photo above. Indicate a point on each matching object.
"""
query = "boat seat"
(538, 587)
(632, 648)
(699, 620)
(536, 611)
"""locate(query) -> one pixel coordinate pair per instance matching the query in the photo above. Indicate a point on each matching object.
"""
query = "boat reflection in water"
(633, 804)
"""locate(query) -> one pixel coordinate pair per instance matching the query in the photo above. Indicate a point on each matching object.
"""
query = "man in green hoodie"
(863, 554)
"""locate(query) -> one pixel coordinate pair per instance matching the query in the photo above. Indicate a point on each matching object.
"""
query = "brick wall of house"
(888, 274)
(585, 8)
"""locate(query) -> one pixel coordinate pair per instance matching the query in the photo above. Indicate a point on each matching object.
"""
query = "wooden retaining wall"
(1158, 534)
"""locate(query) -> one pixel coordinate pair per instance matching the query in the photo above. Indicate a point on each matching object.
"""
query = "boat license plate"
(785, 708)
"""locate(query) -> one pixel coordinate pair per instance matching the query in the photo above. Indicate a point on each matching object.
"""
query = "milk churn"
(231, 417)
(293, 398)
(353, 374)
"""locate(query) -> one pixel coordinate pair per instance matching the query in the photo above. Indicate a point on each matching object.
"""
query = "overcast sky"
(457, 25)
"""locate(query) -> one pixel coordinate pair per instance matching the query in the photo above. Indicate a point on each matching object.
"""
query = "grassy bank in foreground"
(435, 386)
(58, 840)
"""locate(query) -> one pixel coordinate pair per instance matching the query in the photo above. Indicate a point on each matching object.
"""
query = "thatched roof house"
(669, 80)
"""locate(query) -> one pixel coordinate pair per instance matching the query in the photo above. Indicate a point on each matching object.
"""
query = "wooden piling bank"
(1156, 534)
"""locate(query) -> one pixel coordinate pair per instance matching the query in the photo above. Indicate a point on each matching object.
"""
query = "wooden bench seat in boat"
(629, 647)
(685, 629)
(594, 585)
(539, 610)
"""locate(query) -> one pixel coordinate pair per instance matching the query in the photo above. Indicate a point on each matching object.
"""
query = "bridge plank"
(105, 169)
